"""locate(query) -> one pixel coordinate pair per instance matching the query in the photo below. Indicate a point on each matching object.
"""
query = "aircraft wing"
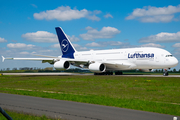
(112, 65)
(49, 60)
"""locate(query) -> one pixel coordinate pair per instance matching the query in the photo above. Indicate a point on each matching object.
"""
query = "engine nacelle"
(62, 65)
(97, 67)
(146, 70)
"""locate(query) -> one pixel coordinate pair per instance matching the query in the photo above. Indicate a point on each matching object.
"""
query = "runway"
(73, 110)
(49, 74)
(65, 73)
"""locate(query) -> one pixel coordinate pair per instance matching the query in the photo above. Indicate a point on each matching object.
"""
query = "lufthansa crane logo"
(64, 45)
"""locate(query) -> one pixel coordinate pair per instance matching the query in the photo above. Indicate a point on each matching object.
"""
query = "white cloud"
(154, 14)
(73, 38)
(108, 15)
(66, 13)
(24, 53)
(94, 18)
(20, 45)
(176, 52)
(79, 47)
(162, 37)
(47, 52)
(40, 36)
(111, 43)
(55, 46)
(26, 50)
(152, 45)
(2, 40)
(115, 43)
(104, 44)
(93, 44)
(157, 19)
(35, 6)
(44, 36)
(105, 32)
(89, 28)
(177, 45)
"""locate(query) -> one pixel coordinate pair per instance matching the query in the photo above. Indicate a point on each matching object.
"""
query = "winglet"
(3, 58)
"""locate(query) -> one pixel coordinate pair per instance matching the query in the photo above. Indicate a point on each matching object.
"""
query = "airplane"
(105, 62)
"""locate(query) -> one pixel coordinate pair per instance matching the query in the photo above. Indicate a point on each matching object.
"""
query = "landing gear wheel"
(118, 73)
(104, 73)
(165, 73)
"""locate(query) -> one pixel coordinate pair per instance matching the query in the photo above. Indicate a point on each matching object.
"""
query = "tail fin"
(66, 46)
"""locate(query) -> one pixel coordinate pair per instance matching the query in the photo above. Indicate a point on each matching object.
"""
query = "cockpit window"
(169, 55)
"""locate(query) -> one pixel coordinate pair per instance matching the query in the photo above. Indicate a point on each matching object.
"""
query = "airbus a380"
(107, 61)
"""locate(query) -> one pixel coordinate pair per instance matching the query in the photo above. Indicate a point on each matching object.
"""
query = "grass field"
(23, 116)
(161, 94)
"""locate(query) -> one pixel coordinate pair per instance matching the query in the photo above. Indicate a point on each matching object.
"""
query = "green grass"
(161, 95)
(23, 116)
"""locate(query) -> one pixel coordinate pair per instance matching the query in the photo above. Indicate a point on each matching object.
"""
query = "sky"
(27, 27)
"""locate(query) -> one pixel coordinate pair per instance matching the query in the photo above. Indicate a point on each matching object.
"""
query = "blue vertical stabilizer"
(66, 46)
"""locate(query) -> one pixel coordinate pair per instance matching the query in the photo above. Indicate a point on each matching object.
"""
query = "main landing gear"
(109, 73)
(104, 73)
(118, 73)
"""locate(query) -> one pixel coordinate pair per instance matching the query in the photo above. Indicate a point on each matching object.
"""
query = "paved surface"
(74, 110)
(63, 73)
(152, 75)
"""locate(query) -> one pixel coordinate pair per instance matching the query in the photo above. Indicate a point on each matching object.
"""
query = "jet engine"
(62, 65)
(97, 67)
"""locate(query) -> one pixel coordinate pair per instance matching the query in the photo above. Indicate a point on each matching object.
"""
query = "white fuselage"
(130, 58)
(106, 61)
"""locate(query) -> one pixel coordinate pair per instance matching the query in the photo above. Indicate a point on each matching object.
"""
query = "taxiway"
(73, 110)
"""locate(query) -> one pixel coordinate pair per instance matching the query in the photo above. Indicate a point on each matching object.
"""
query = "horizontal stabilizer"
(3, 59)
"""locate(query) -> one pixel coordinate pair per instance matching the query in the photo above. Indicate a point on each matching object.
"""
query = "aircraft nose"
(175, 61)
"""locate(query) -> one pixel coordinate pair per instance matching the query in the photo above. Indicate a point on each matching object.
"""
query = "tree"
(7, 69)
(14, 69)
(174, 70)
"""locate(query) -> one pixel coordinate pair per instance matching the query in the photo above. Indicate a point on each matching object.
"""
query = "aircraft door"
(157, 58)
(92, 55)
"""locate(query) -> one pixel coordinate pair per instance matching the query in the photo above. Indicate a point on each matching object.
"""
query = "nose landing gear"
(165, 73)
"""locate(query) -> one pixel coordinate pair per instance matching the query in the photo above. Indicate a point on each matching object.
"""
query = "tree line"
(51, 69)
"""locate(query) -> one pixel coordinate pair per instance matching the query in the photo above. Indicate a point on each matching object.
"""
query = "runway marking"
(46, 91)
